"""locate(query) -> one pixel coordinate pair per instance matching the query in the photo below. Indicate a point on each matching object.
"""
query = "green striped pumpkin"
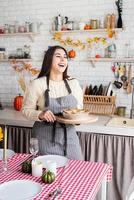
(48, 177)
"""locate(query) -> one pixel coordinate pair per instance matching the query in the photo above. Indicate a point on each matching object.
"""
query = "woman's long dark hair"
(47, 62)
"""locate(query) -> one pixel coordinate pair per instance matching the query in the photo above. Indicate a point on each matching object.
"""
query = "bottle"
(108, 21)
(101, 22)
(59, 20)
(127, 49)
(113, 21)
(59, 23)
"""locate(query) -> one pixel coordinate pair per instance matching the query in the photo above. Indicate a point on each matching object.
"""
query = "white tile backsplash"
(44, 11)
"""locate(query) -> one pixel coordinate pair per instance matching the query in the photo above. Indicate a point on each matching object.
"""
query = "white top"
(34, 95)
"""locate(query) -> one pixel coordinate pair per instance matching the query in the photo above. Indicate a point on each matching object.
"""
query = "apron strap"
(54, 132)
(67, 86)
(54, 124)
(47, 93)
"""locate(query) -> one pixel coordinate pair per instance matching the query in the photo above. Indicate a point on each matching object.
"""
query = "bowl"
(75, 114)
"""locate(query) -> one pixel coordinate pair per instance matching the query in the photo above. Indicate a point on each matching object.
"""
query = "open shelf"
(8, 60)
(111, 59)
(31, 35)
(88, 31)
(120, 59)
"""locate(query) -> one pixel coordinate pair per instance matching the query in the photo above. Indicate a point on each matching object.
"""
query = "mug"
(81, 25)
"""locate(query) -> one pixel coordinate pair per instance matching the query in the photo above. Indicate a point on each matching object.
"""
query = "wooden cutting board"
(87, 120)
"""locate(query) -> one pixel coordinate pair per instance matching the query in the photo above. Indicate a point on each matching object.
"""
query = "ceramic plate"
(61, 161)
(19, 190)
(10, 153)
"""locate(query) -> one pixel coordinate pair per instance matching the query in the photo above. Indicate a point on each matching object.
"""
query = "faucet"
(132, 100)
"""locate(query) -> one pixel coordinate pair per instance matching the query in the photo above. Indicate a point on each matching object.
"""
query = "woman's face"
(59, 62)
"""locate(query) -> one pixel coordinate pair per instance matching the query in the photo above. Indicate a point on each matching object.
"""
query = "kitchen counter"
(100, 143)
(8, 116)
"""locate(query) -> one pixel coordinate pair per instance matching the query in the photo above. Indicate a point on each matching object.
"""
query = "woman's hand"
(47, 116)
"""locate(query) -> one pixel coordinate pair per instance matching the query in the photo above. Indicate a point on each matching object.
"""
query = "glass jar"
(2, 53)
(6, 29)
(11, 29)
(19, 53)
(16, 26)
(108, 21)
(94, 23)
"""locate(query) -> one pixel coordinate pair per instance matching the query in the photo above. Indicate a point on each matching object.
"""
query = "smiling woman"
(52, 92)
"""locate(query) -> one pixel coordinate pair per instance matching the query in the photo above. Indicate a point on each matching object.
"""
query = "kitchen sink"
(121, 122)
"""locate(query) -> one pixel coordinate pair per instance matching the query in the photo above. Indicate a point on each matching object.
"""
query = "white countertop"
(9, 116)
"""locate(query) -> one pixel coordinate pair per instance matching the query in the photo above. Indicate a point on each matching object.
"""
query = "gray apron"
(58, 138)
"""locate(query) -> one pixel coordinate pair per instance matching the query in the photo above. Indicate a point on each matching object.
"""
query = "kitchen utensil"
(118, 84)
(124, 80)
(95, 89)
(129, 86)
(100, 90)
(90, 90)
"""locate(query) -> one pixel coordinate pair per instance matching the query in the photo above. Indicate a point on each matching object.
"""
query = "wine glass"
(34, 147)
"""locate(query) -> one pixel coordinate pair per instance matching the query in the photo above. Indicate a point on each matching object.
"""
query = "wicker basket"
(103, 105)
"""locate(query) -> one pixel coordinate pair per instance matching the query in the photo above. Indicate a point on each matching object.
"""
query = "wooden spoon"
(129, 86)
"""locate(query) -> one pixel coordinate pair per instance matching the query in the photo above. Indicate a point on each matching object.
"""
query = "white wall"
(45, 11)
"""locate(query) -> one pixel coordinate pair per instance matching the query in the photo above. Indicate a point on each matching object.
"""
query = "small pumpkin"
(48, 177)
(72, 54)
(87, 27)
(18, 101)
(27, 167)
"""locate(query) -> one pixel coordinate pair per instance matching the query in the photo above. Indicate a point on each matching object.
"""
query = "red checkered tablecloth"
(79, 180)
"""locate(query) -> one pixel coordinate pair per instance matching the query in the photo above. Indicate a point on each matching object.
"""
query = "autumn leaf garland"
(89, 43)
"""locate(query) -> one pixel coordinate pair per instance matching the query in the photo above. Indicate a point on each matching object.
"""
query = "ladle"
(124, 80)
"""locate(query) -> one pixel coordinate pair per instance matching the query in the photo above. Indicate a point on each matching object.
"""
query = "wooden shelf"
(111, 59)
(31, 35)
(8, 60)
(88, 31)
(120, 59)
